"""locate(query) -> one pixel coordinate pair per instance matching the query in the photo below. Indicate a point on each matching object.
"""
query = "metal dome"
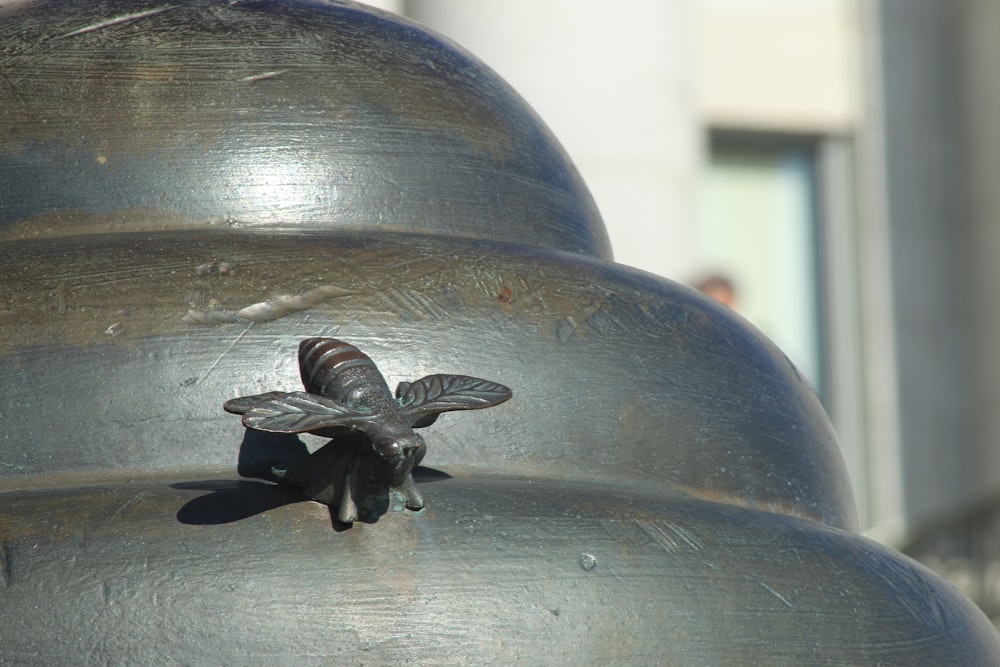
(247, 114)
(189, 190)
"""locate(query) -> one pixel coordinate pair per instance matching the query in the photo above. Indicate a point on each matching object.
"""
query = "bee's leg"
(348, 510)
(304, 472)
(322, 490)
(414, 499)
(332, 475)
(320, 483)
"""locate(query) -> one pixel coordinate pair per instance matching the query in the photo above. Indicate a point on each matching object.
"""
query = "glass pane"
(758, 228)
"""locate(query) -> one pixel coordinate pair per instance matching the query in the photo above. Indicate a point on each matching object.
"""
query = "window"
(759, 228)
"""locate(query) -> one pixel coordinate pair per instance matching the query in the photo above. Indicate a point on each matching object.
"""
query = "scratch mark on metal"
(914, 592)
(669, 535)
(415, 303)
(565, 329)
(121, 509)
(4, 565)
(124, 18)
(222, 356)
(619, 530)
(659, 534)
(254, 78)
(776, 594)
(13, 89)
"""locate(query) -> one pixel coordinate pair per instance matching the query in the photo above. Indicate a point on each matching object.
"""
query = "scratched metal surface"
(188, 189)
(128, 347)
(205, 113)
(494, 571)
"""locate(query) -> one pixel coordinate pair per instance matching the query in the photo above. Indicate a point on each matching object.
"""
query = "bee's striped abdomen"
(337, 369)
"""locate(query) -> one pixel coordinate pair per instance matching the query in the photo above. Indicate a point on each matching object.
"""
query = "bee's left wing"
(426, 398)
(299, 412)
(243, 404)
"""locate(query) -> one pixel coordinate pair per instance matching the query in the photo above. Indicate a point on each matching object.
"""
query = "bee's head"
(409, 447)
(401, 454)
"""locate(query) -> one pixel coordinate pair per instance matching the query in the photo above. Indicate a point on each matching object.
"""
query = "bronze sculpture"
(373, 447)
(188, 190)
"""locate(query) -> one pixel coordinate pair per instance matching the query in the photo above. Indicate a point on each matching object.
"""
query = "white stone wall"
(615, 83)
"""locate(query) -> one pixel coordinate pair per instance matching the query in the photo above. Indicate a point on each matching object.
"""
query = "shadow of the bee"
(231, 500)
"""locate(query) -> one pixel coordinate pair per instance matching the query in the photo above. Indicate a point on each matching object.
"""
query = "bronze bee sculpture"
(373, 446)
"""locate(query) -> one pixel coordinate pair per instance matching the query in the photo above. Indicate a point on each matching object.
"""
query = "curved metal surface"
(617, 374)
(146, 115)
(493, 571)
(663, 487)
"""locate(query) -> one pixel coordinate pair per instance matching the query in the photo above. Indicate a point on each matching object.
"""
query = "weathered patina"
(188, 190)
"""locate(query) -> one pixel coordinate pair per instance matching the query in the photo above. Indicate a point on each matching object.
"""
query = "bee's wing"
(241, 405)
(426, 398)
(299, 412)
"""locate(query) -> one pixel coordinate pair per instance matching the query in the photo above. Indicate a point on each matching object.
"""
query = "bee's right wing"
(299, 412)
(426, 398)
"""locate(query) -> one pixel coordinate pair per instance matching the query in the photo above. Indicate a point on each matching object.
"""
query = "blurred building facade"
(834, 159)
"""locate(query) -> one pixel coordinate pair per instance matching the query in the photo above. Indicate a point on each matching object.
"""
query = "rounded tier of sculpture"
(189, 190)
